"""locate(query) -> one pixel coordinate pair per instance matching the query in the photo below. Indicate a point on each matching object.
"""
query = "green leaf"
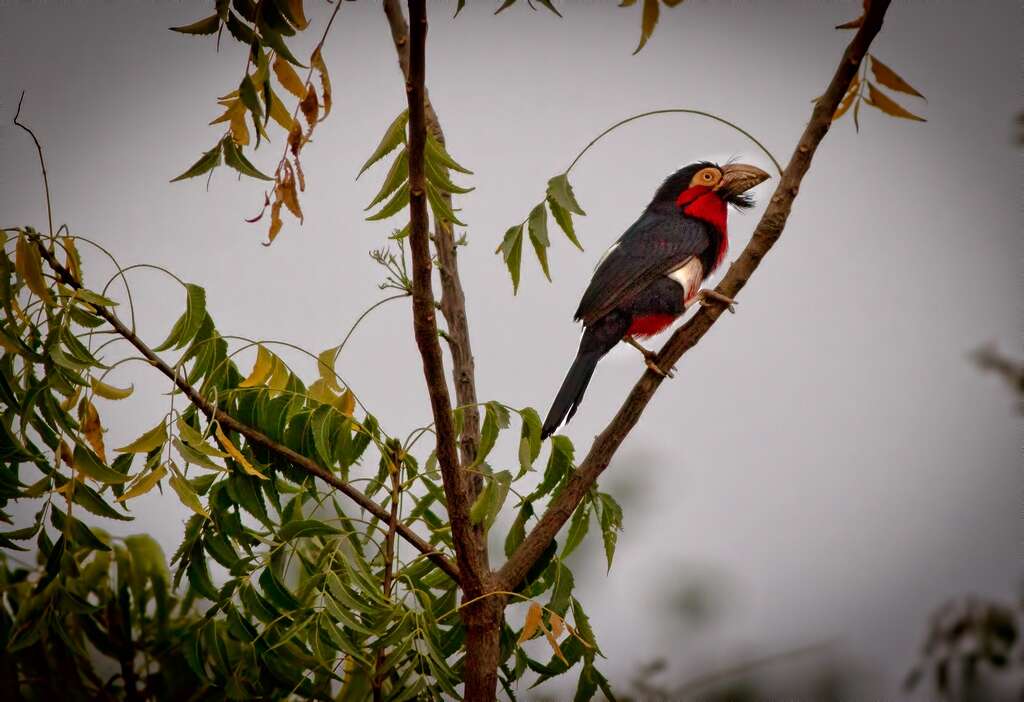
(89, 464)
(563, 585)
(517, 532)
(558, 467)
(434, 151)
(152, 439)
(487, 505)
(237, 160)
(91, 501)
(393, 206)
(206, 163)
(564, 220)
(538, 227)
(439, 178)
(94, 298)
(239, 29)
(577, 528)
(187, 495)
(561, 192)
(512, 251)
(247, 93)
(611, 524)
(276, 592)
(207, 25)
(305, 528)
(397, 175)
(393, 137)
(110, 392)
(79, 533)
(190, 321)
(199, 574)
(530, 432)
(488, 435)
(442, 210)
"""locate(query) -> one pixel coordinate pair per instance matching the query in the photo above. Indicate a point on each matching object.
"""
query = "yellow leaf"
(532, 622)
(876, 98)
(647, 23)
(154, 438)
(109, 392)
(260, 370)
(91, 428)
(297, 15)
(70, 401)
(325, 364)
(233, 106)
(239, 130)
(319, 391)
(29, 266)
(279, 114)
(275, 222)
(325, 81)
(279, 376)
(144, 484)
(346, 404)
(72, 259)
(236, 454)
(890, 79)
(851, 95)
(187, 495)
(288, 78)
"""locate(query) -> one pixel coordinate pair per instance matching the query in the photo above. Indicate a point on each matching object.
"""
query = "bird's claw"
(711, 297)
(655, 368)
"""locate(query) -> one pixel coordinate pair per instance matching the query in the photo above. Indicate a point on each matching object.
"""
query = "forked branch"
(768, 231)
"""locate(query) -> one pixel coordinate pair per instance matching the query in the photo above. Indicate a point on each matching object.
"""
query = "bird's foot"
(649, 358)
(712, 297)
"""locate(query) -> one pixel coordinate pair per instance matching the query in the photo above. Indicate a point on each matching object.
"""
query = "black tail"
(571, 393)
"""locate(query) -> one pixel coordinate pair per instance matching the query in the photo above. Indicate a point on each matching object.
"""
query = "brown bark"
(482, 614)
(453, 300)
(768, 231)
(252, 435)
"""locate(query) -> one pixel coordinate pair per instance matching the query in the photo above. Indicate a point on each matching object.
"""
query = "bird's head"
(729, 182)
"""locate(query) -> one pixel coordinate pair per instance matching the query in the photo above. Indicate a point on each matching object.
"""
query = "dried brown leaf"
(310, 107)
(275, 222)
(325, 81)
(554, 646)
(532, 622)
(65, 454)
(289, 196)
(92, 428)
(878, 99)
(557, 624)
(295, 140)
(890, 79)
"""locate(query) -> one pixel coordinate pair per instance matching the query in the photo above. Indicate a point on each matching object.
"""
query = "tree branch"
(471, 559)
(453, 300)
(252, 435)
(768, 231)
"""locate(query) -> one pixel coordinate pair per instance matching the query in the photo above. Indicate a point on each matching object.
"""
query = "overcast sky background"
(828, 458)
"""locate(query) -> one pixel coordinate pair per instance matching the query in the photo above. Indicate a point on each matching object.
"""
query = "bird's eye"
(707, 175)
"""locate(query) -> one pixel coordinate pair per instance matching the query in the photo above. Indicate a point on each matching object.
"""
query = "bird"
(654, 272)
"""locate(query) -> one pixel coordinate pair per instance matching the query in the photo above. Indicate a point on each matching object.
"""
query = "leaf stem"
(680, 110)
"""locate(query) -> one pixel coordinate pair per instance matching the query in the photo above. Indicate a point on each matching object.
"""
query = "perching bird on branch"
(653, 273)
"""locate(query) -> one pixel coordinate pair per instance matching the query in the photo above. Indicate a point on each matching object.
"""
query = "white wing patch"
(689, 275)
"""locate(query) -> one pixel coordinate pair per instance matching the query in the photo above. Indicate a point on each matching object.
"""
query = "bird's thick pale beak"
(738, 178)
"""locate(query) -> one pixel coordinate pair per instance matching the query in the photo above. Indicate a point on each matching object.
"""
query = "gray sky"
(829, 454)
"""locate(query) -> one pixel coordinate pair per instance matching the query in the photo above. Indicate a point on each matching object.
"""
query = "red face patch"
(703, 203)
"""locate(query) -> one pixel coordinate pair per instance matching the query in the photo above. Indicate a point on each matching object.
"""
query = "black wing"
(654, 246)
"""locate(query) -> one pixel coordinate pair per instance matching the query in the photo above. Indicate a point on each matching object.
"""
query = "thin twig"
(768, 231)
(42, 162)
(252, 435)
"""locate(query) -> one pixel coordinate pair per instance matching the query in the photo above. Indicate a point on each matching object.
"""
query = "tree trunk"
(483, 621)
